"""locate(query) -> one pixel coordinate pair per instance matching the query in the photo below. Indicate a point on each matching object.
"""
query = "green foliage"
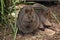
(5, 16)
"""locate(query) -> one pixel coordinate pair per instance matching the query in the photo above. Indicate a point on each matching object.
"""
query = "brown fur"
(27, 20)
(43, 13)
(32, 17)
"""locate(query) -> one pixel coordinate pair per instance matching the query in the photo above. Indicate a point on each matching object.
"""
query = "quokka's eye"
(26, 10)
(31, 21)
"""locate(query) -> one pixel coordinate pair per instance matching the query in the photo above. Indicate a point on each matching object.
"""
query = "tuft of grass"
(54, 15)
(5, 19)
(15, 28)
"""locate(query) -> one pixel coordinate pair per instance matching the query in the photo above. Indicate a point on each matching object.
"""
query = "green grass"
(15, 28)
(6, 21)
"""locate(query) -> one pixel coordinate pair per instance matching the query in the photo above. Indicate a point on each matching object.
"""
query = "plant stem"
(15, 28)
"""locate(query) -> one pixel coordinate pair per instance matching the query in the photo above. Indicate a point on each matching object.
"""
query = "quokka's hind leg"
(45, 21)
(41, 27)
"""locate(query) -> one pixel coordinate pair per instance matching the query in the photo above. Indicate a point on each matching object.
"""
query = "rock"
(49, 32)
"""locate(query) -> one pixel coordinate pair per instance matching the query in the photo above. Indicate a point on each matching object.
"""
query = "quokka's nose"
(27, 27)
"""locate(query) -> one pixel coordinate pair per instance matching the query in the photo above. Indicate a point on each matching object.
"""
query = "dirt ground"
(52, 33)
